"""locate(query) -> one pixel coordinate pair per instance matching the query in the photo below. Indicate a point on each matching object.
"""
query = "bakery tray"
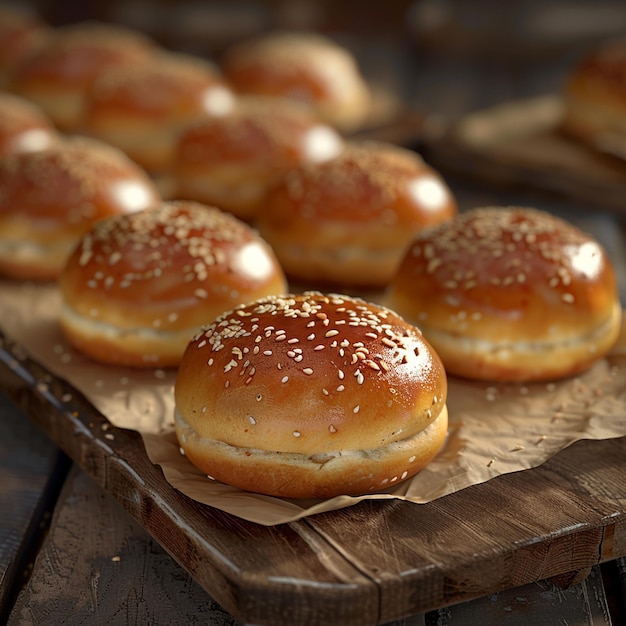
(370, 563)
(520, 146)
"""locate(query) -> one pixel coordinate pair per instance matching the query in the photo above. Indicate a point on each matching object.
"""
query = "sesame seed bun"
(306, 67)
(143, 108)
(138, 287)
(595, 97)
(58, 74)
(50, 198)
(310, 396)
(347, 221)
(510, 294)
(233, 160)
(23, 126)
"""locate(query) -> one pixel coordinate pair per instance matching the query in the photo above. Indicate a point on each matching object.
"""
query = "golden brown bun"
(509, 294)
(233, 160)
(142, 109)
(23, 126)
(310, 396)
(58, 75)
(21, 34)
(595, 97)
(302, 66)
(347, 221)
(50, 198)
(138, 287)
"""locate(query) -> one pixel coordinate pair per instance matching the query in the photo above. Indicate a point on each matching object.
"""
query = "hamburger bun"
(138, 287)
(302, 66)
(310, 396)
(510, 294)
(232, 161)
(50, 198)
(347, 221)
(57, 76)
(143, 108)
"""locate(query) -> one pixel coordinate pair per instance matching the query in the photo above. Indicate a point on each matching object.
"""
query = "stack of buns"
(286, 393)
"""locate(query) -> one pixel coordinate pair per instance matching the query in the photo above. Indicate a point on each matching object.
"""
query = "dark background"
(443, 56)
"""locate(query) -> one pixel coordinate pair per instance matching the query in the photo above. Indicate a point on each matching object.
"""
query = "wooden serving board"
(520, 146)
(364, 565)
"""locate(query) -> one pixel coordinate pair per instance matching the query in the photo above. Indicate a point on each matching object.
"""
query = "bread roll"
(23, 126)
(138, 287)
(50, 198)
(310, 396)
(510, 294)
(595, 98)
(347, 221)
(142, 109)
(232, 161)
(58, 75)
(302, 66)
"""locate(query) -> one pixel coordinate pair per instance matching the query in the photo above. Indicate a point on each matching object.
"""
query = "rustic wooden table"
(73, 553)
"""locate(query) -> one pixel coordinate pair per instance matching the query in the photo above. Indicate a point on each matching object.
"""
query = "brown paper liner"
(494, 428)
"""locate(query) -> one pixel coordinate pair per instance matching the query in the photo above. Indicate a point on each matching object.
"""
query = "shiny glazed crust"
(23, 126)
(233, 160)
(143, 108)
(58, 74)
(293, 385)
(51, 197)
(306, 67)
(138, 287)
(509, 293)
(347, 221)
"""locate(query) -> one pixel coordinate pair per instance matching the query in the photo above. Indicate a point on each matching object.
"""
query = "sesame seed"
(331, 333)
(308, 371)
(284, 379)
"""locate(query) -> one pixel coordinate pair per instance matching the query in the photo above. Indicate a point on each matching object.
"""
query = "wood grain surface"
(30, 467)
(98, 566)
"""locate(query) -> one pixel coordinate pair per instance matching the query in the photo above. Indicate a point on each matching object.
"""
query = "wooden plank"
(516, 528)
(31, 470)
(97, 565)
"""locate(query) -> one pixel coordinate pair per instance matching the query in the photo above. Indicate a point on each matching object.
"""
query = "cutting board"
(366, 564)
